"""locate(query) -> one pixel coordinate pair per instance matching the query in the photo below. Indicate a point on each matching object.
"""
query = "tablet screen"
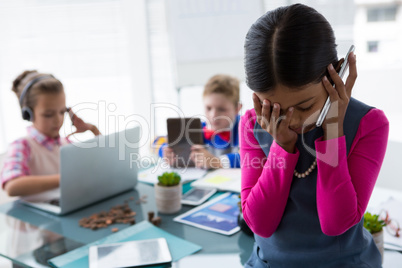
(197, 196)
(130, 254)
(182, 134)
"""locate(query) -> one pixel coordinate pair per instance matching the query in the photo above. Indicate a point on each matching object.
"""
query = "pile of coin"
(117, 214)
(154, 220)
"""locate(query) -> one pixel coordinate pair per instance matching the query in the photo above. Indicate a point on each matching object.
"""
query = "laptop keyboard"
(54, 202)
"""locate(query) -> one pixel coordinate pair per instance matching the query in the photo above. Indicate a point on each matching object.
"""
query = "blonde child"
(221, 134)
(32, 162)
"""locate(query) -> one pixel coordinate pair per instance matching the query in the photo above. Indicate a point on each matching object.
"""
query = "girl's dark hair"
(49, 85)
(291, 46)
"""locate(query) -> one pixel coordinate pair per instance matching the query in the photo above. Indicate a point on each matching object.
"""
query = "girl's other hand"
(339, 96)
(202, 158)
(80, 125)
(31, 184)
(275, 124)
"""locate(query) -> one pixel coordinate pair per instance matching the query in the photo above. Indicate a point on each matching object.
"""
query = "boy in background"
(221, 133)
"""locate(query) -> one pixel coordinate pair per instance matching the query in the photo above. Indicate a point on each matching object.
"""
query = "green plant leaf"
(169, 179)
(372, 223)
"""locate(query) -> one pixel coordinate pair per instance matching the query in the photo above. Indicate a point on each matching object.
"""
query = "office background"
(120, 65)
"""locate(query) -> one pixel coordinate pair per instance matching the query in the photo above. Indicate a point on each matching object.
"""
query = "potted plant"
(375, 226)
(168, 193)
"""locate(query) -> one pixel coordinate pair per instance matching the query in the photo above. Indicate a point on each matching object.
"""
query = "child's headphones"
(27, 113)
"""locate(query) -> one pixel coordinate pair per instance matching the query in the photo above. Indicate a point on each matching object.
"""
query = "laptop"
(91, 171)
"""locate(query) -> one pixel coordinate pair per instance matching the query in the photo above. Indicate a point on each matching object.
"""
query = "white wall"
(389, 176)
(98, 49)
(379, 72)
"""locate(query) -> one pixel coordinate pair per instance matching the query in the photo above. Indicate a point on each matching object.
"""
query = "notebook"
(222, 180)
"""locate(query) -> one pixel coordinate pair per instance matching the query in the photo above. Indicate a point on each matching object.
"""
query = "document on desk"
(222, 180)
(218, 215)
(150, 175)
(178, 247)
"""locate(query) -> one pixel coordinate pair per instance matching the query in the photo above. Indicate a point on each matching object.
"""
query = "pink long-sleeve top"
(344, 181)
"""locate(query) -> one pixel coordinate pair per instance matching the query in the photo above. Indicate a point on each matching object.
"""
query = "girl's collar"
(42, 139)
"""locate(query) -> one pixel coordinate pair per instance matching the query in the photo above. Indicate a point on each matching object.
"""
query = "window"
(381, 14)
(96, 48)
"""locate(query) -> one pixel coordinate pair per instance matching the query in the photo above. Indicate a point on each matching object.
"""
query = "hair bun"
(17, 82)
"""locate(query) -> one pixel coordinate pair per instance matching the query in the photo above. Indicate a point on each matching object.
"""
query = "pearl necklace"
(306, 173)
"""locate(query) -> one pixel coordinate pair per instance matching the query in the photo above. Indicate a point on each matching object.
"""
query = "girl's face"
(307, 103)
(49, 113)
(220, 111)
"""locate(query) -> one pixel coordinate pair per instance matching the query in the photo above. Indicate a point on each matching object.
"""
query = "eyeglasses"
(392, 226)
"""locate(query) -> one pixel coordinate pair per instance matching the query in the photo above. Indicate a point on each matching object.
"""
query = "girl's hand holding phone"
(339, 97)
(275, 124)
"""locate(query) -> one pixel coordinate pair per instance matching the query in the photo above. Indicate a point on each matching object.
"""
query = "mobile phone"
(327, 104)
(197, 196)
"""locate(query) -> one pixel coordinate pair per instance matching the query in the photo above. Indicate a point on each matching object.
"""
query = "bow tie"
(209, 133)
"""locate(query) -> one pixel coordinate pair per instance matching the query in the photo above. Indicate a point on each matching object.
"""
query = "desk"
(217, 250)
(239, 245)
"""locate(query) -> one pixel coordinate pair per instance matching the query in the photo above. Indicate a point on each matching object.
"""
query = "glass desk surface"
(28, 235)
(26, 244)
(51, 231)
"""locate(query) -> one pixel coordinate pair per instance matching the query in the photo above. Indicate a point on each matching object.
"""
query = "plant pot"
(379, 242)
(168, 198)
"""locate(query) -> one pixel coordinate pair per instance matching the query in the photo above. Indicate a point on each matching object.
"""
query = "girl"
(32, 163)
(305, 188)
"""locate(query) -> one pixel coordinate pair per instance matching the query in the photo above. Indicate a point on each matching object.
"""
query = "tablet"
(138, 253)
(182, 134)
(197, 196)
